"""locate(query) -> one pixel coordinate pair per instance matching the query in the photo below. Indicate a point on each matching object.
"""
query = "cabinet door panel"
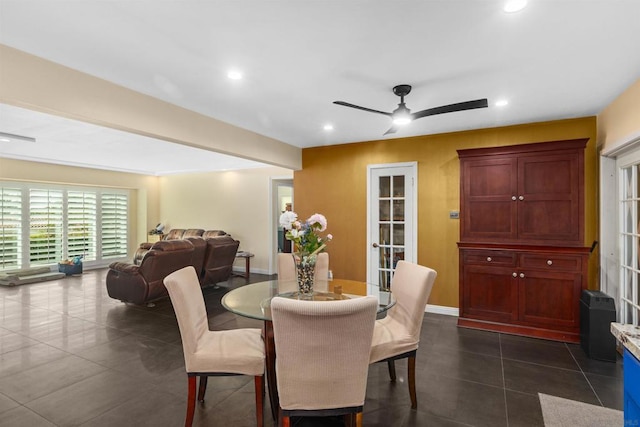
(549, 298)
(489, 186)
(549, 198)
(489, 293)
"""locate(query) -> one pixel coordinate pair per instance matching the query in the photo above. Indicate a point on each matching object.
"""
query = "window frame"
(69, 195)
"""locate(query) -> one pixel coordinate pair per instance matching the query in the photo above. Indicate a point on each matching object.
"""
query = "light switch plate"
(454, 215)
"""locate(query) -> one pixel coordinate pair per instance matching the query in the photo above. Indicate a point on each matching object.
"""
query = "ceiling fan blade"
(392, 129)
(461, 106)
(346, 104)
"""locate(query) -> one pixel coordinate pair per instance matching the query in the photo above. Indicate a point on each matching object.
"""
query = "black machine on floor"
(597, 311)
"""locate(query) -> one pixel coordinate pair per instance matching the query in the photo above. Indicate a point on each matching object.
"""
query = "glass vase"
(305, 273)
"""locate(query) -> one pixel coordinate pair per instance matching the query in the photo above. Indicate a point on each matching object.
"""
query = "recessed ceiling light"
(234, 75)
(512, 6)
(501, 103)
(328, 127)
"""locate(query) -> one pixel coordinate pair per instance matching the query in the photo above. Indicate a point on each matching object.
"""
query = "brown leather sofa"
(142, 284)
(176, 234)
(218, 261)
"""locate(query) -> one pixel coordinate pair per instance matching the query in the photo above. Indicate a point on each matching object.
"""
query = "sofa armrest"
(125, 268)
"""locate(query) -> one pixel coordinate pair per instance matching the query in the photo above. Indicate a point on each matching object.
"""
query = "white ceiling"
(555, 59)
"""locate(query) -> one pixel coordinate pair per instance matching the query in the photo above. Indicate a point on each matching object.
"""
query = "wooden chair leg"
(191, 401)
(358, 419)
(203, 388)
(353, 420)
(411, 377)
(391, 364)
(259, 387)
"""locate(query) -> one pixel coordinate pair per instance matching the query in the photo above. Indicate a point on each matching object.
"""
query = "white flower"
(295, 233)
(287, 219)
(304, 235)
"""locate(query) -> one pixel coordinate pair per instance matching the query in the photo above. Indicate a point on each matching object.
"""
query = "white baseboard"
(441, 309)
(251, 270)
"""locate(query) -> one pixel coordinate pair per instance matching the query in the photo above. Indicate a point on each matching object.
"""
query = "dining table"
(254, 301)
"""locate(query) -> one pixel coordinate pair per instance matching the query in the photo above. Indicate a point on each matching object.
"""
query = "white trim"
(622, 146)
(274, 181)
(413, 166)
(609, 241)
(241, 270)
(441, 309)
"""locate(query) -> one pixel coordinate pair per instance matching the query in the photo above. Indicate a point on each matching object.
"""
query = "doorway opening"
(282, 200)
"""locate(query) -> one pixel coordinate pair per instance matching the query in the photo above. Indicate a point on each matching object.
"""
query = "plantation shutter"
(45, 226)
(10, 228)
(81, 225)
(114, 225)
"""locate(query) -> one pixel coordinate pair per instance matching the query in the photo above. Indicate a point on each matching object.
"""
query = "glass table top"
(254, 300)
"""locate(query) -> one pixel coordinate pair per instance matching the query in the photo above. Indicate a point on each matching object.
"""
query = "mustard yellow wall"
(333, 182)
(144, 196)
(619, 122)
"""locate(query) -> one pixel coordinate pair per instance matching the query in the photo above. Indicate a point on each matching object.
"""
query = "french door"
(629, 238)
(391, 219)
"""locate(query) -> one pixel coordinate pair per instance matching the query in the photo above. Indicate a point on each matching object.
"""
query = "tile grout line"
(584, 375)
(504, 385)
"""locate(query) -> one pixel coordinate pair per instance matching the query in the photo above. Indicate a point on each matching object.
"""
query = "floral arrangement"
(305, 235)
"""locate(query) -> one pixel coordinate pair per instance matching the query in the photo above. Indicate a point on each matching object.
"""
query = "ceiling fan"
(402, 115)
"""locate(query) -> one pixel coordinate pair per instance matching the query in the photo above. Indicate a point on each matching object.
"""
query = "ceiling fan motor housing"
(402, 90)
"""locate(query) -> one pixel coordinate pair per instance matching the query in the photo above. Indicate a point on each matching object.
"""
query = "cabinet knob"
(549, 262)
(520, 197)
(489, 259)
(513, 198)
(515, 274)
(522, 275)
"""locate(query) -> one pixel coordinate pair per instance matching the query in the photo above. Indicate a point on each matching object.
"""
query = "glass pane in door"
(385, 186)
(391, 220)
(398, 186)
(385, 210)
(385, 233)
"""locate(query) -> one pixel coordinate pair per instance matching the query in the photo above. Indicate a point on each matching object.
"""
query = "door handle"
(375, 245)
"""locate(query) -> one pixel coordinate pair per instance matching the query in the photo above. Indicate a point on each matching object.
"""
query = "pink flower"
(318, 219)
(329, 237)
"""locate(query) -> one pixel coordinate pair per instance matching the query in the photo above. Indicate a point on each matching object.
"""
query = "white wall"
(237, 202)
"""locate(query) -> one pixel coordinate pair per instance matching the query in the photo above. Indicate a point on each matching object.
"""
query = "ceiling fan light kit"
(403, 115)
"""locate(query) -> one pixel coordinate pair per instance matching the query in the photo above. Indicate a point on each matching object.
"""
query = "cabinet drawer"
(484, 257)
(551, 262)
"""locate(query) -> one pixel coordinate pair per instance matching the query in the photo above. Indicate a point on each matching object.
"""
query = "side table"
(247, 266)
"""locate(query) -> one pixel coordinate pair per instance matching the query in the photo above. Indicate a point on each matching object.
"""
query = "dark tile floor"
(72, 356)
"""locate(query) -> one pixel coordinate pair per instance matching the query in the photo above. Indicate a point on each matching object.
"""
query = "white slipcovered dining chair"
(397, 336)
(322, 360)
(212, 353)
